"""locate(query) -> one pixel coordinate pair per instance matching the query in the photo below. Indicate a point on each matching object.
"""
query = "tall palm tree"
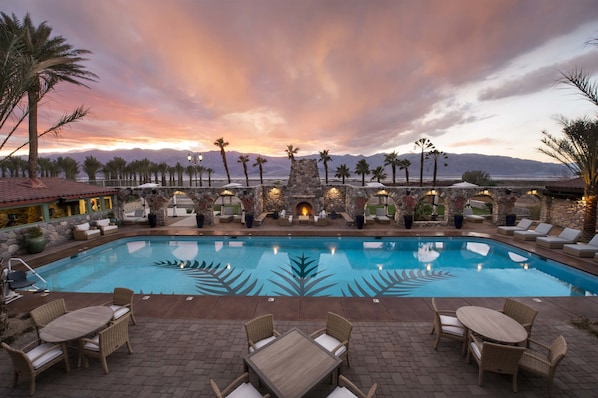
(209, 171)
(190, 170)
(342, 172)
(200, 170)
(91, 166)
(259, 161)
(162, 168)
(180, 170)
(45, 166)
(220, 143)
(362, 168)
(392, 160)
(244, 159)
(69, 166)
(578, 151)
(425, 145)
(61, 63)
(378, 174)
(581, 80)
(404, 165)
(291, 151)
(435, 154)
(325, 158)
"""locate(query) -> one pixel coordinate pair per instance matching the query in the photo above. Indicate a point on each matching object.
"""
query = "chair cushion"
(93, 347)
(103, 222)
(476, 349)
(47, 357)
(330, 343)
(341, 392)
(451, 325)
(82, 227)
(119, 310)
(262, 343)
(245, 390)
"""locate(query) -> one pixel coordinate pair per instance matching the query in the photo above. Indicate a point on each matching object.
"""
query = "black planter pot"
(199, 219)
(153, 220)
(511, 218)
(275, 215)
(249, 220)
(458, 221)
(408, 218)
(359, 221)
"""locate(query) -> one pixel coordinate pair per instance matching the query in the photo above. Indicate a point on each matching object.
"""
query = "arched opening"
(304, 209)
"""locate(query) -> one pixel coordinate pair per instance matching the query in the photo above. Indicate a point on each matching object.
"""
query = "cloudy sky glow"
(355, 77)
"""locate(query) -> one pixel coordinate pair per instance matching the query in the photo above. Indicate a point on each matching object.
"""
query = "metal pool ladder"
(17, 279)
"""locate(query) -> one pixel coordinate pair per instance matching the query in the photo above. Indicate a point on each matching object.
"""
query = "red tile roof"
(18, 191)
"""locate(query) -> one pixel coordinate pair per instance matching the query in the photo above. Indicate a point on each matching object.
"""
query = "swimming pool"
(322, 266)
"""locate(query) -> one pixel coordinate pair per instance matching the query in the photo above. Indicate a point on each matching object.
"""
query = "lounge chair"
(568, 236)
(544, 364)
(492, 357)
(346, 389)
(583, 250)
(106, 227)
(523, 225)
(85, 232)
(447, 325)
(469, 216)
(381, 216)
(335, 336)
(543, 229)
(36, 360)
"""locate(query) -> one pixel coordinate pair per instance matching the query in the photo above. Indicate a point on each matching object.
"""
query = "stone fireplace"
(304, 189)
(303, 209)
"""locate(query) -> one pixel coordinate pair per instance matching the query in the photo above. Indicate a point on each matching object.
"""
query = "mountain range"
(498, 167)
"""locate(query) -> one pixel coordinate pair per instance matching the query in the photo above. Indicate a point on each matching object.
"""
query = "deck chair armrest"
(448, 312)
(317, 333)
(31, 343)
(244, 378)
(252, 344)
(344, 343)
(344, 382)
(537, 358)
(276, 333)
(106, 303)
(538, 343)
(84, 340)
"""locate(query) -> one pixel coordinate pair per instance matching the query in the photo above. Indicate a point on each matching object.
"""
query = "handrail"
(27, 266)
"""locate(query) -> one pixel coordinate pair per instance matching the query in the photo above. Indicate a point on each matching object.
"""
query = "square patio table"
(292, 364)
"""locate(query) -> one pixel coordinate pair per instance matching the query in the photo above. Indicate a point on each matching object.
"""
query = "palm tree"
(162, 168)
(424, 144)
(259, 161)
(291, 151)
(404, 165)
(342, 172)
(436, 154)
(69, 166)
(190, 170)
(581, 81)
(91, 166)
(578, 151)
(209, 171)
(325, 158)
(362, 168)
(392, 160)
(200, 171)
(220, 143)
(180, 170)
(378, 174)
(244, 159)
(60, 63)
(45, 166)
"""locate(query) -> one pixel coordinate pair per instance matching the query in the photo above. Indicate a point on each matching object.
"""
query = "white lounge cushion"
(330, 343)
(103, 222)
(452, 325)
(341, 392)
(119, 310)
(262, 343)
(477, 350)
(45, 358)
(82, 227)
(245, 390)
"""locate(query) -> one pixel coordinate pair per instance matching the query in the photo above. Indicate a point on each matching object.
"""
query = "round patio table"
(492, 324)
(76, 324)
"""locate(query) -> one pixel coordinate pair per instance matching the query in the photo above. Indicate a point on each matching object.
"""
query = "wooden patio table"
(76, 324)
(292, 364)
(492, 324)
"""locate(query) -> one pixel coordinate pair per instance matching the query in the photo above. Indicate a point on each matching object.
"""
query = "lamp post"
(196, 160)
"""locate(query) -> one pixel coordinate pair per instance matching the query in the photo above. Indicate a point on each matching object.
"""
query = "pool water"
(322, 266)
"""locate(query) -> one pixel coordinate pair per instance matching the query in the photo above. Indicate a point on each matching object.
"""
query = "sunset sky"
(351, 76)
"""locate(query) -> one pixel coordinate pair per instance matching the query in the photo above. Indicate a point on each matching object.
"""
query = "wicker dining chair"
(240, 387)
(335, 336)
(497, 358)
(522, 313)
(447, 325)
(46, 313)
(260, 331)
(346, 389)
(122, 303)
(106, 342)
(544, 359)
(36, 360)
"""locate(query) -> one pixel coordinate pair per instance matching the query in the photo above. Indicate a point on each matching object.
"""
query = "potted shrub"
(409, 204)
(35, 241)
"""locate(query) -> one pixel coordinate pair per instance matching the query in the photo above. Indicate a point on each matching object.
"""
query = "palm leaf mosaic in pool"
(300, 278)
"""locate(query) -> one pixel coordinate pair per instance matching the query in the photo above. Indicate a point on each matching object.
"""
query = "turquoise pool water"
(322, 266)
